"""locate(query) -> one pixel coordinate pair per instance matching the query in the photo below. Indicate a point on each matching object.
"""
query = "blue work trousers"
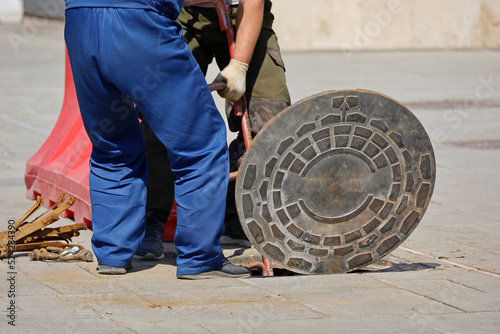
(121, 57)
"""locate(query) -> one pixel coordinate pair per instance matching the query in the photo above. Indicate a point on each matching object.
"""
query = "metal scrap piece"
(24, 235)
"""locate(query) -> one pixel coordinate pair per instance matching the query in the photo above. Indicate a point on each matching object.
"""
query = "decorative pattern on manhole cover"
(335, 182)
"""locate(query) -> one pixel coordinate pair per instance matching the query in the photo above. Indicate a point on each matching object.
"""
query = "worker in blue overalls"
(130, 53)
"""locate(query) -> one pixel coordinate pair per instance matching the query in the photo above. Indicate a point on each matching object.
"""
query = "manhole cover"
(335, 182)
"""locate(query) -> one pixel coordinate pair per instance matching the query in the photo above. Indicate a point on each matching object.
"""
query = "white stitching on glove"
(234, 75)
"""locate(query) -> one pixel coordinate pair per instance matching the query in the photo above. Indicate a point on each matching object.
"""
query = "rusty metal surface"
(70, 253)
(28, 235)
(335, 182)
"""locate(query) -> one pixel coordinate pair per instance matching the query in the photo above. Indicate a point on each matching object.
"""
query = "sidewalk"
(445, 278)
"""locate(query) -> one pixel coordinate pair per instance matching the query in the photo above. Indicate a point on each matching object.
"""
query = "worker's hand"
(234, 75)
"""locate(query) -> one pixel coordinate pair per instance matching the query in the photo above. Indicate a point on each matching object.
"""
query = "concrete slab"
(482, 322)
(309, 284)
(452, 294)
(338, 324)
(31, 287)
(217, 305)
(153, 324)
(459, 247)
(97, 325)
(383, 301)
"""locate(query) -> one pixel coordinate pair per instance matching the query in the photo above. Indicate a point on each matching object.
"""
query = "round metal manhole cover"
(335, 182)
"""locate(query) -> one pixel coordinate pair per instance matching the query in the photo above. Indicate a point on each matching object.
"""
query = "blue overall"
(126, 52)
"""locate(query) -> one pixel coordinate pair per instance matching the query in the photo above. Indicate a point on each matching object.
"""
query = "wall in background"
(45, 8)
(387, 24)
(356, 25)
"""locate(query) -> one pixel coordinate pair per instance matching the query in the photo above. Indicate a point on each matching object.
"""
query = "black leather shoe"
(225, 270)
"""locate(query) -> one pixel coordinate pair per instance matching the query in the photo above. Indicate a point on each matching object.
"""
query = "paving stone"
(219, 311)
(452, 294)
(310, 284)
(26, 286)
(459, 247)
(384, 301)
(336, 324)
(90, 325)
(158, 323)
(479, 281)
(477, 322)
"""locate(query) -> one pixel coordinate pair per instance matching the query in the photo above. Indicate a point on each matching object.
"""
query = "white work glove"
(234, 75)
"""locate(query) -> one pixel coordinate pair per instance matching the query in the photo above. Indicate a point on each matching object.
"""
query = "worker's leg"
(169, 89)
(161, 179)
(117, 165)
(160, 199)
(197, 33)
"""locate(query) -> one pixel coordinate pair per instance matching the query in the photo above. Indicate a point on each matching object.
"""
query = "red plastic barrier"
(62, 163)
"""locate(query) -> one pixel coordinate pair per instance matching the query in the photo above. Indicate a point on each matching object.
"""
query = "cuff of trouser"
(117, 263)
(186, 270)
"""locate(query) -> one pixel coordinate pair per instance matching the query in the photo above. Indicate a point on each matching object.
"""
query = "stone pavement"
(445, 277)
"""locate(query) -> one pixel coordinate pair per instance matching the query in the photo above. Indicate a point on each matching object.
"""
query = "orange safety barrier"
(62, 163)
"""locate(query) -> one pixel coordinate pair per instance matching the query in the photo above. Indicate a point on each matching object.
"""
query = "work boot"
(233, 233)
(236, 151)
(151, 247)
(225, 270)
